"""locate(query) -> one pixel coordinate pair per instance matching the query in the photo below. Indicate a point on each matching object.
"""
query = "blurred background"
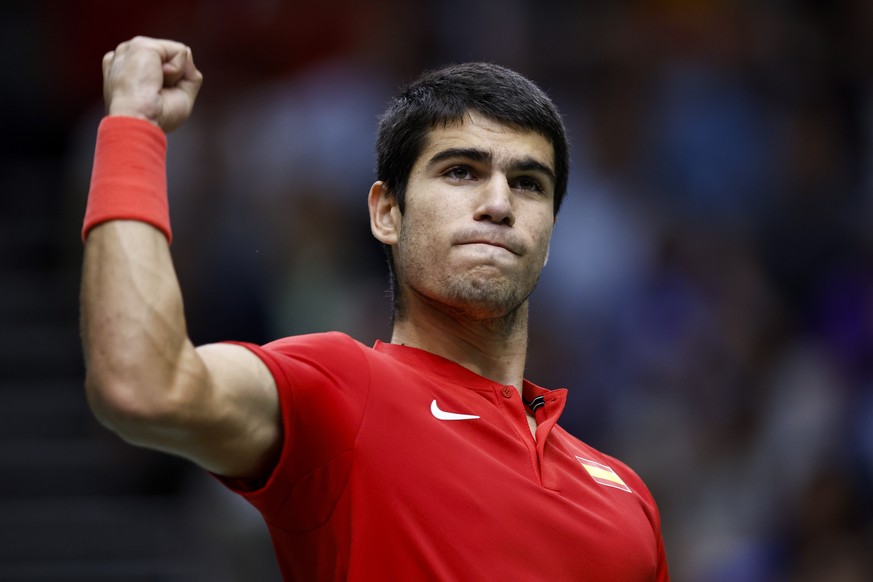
(708, 302)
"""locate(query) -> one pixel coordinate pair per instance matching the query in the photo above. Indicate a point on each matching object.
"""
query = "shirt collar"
(455, 372)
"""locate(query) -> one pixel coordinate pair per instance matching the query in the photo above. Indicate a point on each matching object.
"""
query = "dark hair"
(440, 98)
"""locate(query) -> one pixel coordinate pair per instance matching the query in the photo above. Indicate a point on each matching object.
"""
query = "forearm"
(145, 380)
(137, 351)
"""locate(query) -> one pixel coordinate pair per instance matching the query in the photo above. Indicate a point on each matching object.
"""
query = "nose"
(495, 203)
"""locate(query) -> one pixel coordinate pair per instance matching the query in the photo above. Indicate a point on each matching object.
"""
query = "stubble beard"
(476, 296)
(484, 297)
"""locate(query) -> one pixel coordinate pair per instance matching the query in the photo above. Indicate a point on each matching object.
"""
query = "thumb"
(190, 78)
(181, 86)
(174, 69)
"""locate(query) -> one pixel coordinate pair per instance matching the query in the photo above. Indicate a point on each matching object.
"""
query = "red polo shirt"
(398, 464)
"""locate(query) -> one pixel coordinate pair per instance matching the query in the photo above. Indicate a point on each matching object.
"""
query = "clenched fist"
(151, 79)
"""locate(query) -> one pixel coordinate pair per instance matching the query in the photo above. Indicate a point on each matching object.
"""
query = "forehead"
(479, 132)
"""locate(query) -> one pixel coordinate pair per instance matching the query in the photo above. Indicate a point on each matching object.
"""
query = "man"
(430, 457)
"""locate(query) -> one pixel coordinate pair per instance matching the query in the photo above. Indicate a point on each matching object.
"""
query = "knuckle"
(140, 41)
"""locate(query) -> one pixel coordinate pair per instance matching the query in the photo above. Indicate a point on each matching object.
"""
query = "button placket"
(517, 417)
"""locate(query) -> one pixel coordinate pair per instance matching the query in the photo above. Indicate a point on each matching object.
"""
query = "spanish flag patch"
(603, 474)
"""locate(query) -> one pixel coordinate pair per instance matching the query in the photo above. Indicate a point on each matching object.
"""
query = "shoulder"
(332, 340)
(314, 361)
(338, 350)
(608, 469)
(319, 350)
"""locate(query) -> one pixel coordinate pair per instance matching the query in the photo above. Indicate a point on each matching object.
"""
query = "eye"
(527, 183)
(459, 173)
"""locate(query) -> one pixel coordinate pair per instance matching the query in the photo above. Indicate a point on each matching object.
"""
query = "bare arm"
(215, 405)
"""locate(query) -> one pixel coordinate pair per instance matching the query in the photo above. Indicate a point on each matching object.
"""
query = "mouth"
(489, 243)
(502, 244)
(505, 240)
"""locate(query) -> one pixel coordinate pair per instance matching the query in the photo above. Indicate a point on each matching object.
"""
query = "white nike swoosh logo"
(443, 415)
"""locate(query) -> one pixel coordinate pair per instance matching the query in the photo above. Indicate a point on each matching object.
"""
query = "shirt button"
(507, 391)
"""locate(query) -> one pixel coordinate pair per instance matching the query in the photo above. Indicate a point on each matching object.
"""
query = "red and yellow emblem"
(603, 474)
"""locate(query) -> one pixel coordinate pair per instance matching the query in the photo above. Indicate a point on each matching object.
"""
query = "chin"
(482, 298)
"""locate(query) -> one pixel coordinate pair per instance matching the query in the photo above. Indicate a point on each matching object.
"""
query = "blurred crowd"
(709, 296)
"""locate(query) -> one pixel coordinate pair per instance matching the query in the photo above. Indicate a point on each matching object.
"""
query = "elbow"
(126, 408)
(145, 404)
(113, 402)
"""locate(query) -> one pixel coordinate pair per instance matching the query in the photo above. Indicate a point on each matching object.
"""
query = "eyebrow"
(526, 164)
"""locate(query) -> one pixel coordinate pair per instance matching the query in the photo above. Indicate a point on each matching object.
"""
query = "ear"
(385, 215)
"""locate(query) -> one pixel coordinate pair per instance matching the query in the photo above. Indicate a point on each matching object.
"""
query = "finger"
(170, 50)
(166, 47)
(192, 79)
(174, 68)
(190, 70)
(107, 63)
(108, 58)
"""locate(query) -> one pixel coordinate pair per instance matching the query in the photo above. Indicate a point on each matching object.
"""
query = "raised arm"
(216, 404)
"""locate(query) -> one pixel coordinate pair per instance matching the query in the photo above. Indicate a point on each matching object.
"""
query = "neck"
(493, 348)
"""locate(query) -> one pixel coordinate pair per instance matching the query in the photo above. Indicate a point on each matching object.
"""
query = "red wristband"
(129, 178)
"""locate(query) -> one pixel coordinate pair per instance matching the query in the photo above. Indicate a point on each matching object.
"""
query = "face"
(478, 217)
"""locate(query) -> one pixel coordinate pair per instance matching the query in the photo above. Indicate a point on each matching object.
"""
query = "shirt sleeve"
(323, 383)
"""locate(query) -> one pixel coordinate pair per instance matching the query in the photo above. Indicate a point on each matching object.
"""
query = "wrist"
(121, 107)
(128, 181)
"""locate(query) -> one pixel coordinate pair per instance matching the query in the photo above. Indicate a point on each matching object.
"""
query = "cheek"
(541, 233)
(428, 224)
(418, 240)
